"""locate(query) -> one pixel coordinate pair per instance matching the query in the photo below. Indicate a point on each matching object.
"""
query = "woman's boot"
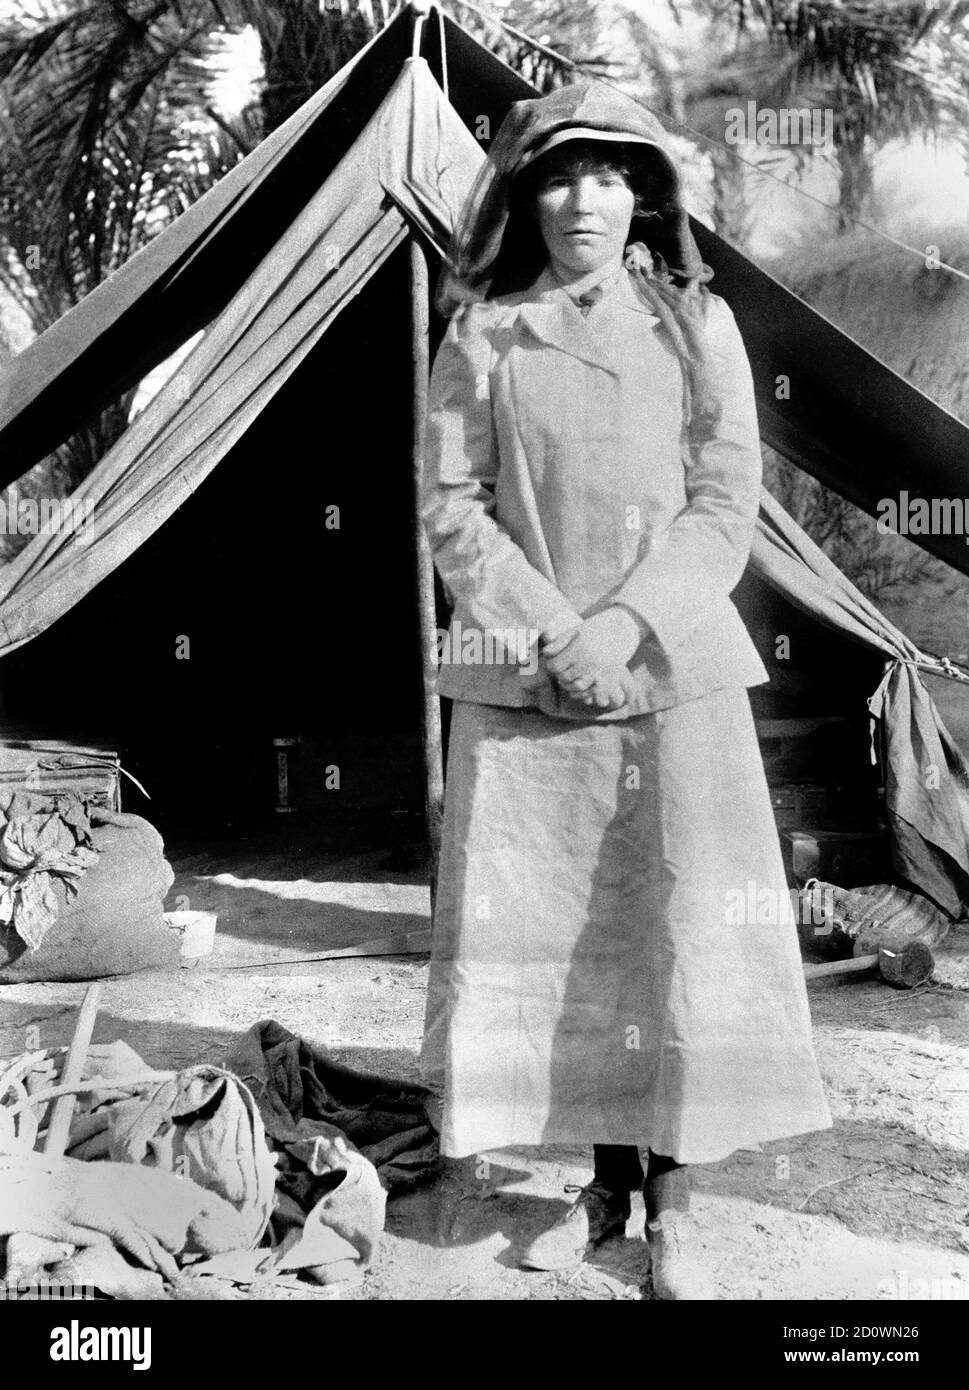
(601, 1210)
(677, 1259)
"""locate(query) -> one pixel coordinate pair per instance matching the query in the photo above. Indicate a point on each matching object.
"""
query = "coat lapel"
(549, 315)
(558, 324)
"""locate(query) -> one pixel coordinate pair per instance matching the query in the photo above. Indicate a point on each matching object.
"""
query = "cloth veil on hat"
(667, 269)
(581, 110)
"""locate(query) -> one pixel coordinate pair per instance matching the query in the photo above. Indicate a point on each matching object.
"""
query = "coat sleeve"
(475, 556)
(700, 558)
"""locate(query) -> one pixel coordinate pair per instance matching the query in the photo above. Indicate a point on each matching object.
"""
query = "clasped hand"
(591, 662)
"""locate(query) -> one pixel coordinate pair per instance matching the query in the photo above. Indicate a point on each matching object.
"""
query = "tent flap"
(927, 789)
(430, 174)
(926, 777)
(341, 238)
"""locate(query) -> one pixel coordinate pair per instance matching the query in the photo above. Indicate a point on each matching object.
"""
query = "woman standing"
(591, 488)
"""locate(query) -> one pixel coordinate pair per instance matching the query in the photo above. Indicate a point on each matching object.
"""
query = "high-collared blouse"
(559, 479)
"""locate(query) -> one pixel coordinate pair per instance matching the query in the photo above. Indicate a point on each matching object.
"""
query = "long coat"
(596, 972)
(558, 481)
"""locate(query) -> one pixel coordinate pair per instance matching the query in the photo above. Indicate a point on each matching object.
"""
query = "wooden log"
(910, 966)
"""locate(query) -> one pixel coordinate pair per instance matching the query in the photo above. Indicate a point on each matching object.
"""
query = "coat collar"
(550, 314)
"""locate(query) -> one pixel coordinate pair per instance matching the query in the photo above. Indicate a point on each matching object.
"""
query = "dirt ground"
(866, 1210)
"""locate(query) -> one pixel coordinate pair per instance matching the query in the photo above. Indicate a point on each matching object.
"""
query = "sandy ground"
(869, 1208)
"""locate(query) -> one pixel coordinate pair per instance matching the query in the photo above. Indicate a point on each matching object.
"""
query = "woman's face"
(584, 207)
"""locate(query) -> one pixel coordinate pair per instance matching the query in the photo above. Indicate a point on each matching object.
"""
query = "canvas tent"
(274, 264)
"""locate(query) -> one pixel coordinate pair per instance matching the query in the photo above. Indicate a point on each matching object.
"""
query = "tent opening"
(258, 612)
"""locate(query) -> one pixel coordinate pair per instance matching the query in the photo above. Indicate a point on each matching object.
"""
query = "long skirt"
(615, 958)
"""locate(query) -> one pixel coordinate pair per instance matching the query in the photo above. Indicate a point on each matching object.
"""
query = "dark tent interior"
(294, 626)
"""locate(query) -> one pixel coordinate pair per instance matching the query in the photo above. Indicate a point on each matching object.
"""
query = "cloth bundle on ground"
(341, 1137)
(841, 921)
(279, 1158)
(201, 1124)
(81, 890)
(44, 841)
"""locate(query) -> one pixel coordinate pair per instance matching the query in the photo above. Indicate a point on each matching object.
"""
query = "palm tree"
(886, 71)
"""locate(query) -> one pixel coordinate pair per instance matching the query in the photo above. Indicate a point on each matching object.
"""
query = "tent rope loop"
(937, 665)
(423, 8)
(415, 51)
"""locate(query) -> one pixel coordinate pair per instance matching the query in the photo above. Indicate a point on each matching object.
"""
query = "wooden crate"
(820, 773)
(34, 762)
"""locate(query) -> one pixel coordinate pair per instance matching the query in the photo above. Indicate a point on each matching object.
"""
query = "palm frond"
(890, 68)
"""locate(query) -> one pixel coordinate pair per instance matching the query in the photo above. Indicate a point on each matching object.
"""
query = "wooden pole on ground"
(59, 1127)
(431, 742)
